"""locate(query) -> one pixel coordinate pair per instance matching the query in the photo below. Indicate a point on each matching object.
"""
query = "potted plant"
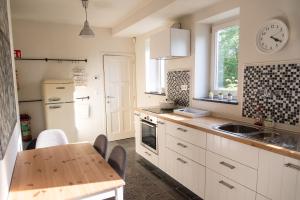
(211, 95)
(220, 96)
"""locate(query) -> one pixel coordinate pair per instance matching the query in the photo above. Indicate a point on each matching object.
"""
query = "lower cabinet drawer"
(187, 172)
(233, 150)
(240, 173)
(189, 150)
(148, 155)
(220, 188)
(190, 135)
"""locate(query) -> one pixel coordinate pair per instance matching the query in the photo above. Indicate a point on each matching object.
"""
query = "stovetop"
(158, 110)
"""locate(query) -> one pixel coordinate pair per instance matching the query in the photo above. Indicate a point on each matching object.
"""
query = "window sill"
(156, 93)
(216, 100)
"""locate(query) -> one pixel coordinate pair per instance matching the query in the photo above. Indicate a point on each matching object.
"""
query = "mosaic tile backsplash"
(276, 89)
(175, 79)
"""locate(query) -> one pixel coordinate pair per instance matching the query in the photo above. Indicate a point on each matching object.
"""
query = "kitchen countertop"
(207, 123)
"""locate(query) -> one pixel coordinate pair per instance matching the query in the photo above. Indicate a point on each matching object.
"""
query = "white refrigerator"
(58, 96)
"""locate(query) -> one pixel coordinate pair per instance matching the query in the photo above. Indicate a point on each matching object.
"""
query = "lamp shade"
(86, 31)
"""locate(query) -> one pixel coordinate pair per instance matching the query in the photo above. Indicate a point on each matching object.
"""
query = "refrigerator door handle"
(54, 107)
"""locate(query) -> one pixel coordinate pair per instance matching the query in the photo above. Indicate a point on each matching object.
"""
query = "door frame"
(130, 55)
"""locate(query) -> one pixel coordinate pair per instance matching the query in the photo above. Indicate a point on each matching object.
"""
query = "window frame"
(214, 66)
(160, 84)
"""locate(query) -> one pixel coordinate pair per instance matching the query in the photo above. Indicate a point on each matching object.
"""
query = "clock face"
(272, 36)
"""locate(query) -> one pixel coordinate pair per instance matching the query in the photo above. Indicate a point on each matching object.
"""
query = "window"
(155, 72)
(225, 57)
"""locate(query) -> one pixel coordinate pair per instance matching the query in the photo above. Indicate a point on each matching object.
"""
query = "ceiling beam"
(140, 14)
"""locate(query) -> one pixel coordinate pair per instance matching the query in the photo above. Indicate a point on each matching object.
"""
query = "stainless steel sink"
(239, 129)
(283, 139)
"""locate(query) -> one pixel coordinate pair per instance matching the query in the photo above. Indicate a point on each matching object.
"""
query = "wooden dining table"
(71, 171)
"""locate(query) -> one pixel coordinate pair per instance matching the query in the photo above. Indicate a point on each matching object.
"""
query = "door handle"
(160, 122)
(110, 97)
(293, 166)
(226, 184)
(227, 165)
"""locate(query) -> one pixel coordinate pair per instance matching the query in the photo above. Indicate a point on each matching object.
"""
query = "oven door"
(149, 136)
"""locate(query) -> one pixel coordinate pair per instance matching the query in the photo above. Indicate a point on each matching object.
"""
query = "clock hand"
(275, 39)
(276, 33)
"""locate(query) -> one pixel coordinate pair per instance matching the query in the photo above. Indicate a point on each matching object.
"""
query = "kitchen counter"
(207, 123)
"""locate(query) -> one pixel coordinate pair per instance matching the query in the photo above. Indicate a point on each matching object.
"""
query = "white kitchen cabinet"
(170, 43)
(149, 155)
(236, 151)
(187, 172)
(240, 173)
(137, 129)
(187, 134)
(220, 188)
(186, 149)
(278, 176)
(161, 137)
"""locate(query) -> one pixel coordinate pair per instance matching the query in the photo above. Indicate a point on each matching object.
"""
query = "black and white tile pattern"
(276, 89)
(175, 80)
(8, 113)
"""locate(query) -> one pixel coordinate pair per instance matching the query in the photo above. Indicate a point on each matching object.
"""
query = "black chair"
(118, 160)
(100, 145)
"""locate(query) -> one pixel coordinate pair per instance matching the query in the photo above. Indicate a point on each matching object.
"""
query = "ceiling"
(101, 13)
(125, 17)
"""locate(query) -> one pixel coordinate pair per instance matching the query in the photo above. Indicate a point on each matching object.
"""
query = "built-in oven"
(149, 132)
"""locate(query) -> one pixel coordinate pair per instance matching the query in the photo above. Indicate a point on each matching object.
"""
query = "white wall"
(62, 41)
(143, 100)
(8, 162)
(252, 15)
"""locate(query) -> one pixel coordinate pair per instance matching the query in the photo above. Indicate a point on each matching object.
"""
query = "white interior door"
(119, 85)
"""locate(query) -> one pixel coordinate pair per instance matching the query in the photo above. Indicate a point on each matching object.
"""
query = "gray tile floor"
(146, 182)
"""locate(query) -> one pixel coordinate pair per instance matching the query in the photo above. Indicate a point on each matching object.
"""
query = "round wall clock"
(272, 36)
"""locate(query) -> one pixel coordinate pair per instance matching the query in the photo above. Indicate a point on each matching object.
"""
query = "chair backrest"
(118, 160)
(51, 137)
(100, 145)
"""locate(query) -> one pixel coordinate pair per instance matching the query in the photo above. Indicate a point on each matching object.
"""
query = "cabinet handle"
(181, 129)
(226, 184)
(181, 160)
(159, 122)
(227, 165)
(182, 145)
(54, 107)
(136, 114)
(293, 166)
(147, 153)
(148, 124)
(60, 88)
(54, 99)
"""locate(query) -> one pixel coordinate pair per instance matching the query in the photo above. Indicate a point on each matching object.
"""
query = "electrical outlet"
(184, 87)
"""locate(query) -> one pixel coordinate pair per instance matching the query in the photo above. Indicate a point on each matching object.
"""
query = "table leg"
(119, 193)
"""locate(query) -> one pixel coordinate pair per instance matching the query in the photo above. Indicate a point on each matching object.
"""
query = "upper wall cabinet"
(170, 43)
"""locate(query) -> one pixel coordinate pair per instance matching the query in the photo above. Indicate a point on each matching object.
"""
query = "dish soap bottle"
(259, 119)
